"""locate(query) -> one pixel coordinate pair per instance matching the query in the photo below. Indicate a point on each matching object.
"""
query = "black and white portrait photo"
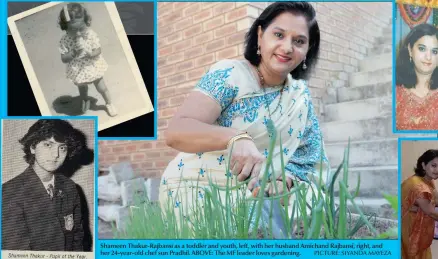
(78, 61)
(48, 185)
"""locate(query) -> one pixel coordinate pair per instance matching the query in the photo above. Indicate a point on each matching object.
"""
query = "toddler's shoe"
(111, 110)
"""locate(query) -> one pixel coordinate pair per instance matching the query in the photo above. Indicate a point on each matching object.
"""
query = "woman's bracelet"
(237, 137)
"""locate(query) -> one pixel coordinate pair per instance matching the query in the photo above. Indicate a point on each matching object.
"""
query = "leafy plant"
(226, 213)
(391, 233)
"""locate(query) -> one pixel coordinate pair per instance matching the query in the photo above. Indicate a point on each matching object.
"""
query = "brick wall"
(193, 36)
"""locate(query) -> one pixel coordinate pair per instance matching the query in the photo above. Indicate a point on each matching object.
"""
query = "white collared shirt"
(52, 182)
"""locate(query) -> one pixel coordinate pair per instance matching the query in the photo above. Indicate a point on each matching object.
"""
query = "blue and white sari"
(248, 107)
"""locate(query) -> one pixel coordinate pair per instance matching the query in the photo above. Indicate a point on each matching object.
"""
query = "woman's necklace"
(262, 83)
(423, 93)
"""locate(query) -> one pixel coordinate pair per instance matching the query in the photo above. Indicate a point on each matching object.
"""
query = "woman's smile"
(283, 45)
(424, 54)
(282, 58)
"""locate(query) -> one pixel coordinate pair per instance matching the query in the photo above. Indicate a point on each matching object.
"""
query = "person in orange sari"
(418, 208)
(417, 80)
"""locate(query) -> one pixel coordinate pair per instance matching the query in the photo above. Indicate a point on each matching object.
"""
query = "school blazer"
(31, 221)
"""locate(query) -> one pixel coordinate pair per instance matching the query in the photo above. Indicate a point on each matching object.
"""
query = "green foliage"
(391, 233)
(212, 217)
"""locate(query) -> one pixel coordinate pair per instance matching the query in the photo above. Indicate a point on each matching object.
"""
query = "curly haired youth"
(44, 129)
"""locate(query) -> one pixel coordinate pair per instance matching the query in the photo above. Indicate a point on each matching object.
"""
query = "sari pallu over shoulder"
(248, 107)
(417, 227)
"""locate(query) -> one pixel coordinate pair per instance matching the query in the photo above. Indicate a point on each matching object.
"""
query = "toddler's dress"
(83, 70)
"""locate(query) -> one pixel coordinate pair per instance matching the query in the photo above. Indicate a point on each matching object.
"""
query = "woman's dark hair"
(405, 69)
(61, 131)
(75, 10)
(265, 19)
(425, 158)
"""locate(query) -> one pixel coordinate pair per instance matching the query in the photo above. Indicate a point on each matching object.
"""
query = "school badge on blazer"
(69, 223)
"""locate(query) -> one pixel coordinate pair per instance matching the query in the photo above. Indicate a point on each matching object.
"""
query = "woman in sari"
(418, 208)
(233, 104)
(417, 80)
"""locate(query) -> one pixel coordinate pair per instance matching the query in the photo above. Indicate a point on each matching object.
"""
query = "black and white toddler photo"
(78, 60)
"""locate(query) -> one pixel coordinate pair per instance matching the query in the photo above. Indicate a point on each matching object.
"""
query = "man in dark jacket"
(41, 208)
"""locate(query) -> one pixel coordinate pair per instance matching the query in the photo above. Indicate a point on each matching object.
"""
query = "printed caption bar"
(47, 254)
(259, 248)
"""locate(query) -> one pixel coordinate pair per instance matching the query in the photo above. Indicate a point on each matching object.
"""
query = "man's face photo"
(49, 154)
(48, 185)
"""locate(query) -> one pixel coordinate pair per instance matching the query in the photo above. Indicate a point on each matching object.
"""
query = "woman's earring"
(258, 51)
(304, 64)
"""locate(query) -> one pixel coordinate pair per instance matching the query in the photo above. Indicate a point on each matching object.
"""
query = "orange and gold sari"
(415, 113)
(417, 227)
